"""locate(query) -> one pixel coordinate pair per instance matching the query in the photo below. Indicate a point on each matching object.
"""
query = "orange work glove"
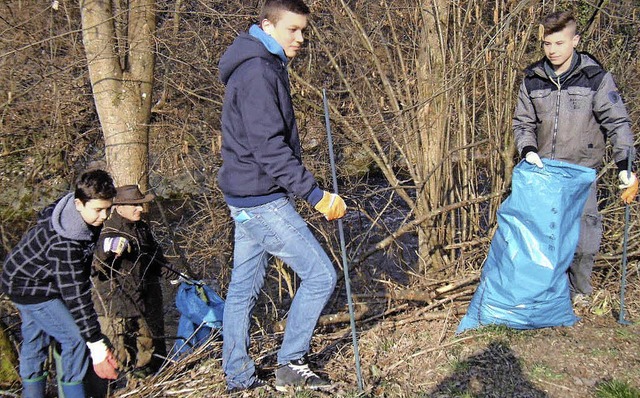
(331, 205)
(629, 183)
(104, 363)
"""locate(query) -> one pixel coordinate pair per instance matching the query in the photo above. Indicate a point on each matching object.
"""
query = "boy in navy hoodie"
(261, 168)
(46, 275)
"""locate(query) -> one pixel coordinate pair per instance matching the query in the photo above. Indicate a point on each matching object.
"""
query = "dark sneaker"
(297, 374)
(257, 383)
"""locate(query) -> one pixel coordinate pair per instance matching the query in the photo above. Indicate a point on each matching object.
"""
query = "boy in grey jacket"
(568, 106)
(46, 275)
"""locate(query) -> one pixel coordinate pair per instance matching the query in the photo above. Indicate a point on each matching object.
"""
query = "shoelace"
(303, 370)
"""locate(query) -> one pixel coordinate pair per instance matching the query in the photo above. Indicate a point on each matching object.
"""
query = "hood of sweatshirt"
(68, 222)
(254, 44)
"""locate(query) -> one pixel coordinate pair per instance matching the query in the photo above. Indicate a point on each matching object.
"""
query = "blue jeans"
(41, 323)
(276, 229)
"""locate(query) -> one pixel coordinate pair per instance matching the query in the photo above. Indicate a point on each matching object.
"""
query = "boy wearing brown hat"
(127, 296)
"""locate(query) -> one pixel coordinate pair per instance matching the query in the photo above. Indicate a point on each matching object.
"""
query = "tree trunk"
(432, 120)
(121, 73)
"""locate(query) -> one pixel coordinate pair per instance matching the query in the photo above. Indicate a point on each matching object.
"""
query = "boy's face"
(130, 212)
(558, 48)
(94, 212)
(287, 31)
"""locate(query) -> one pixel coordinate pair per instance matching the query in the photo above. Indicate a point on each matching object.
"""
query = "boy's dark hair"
(272, 9)
(95, 184)
(557, 21)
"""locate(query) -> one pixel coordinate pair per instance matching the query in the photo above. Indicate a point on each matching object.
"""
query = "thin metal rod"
(345, 264)
(623, 281)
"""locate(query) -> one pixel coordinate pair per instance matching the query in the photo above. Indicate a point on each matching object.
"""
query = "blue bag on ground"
(201, 312)
(524, 283)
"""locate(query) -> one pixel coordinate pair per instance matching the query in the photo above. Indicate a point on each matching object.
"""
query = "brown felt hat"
(131, 195)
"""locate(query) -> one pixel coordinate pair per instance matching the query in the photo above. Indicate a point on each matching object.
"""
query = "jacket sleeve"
(71, 271)
(610, 111)
(100, 253)
(265, 127)
(524, 121)
(105, 262)
(103, 255)
(158, 262)
(151, 252)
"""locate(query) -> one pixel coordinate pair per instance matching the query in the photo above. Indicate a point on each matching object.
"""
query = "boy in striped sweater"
(46, 275)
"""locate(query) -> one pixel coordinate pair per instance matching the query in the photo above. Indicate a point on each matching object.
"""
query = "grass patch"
(616, 389)
(609, 352)
(491, 332)
(460, 366)
(387, 345)
(542, 371)
(626, 334)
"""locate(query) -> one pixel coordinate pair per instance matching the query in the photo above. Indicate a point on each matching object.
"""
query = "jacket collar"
(584, 63)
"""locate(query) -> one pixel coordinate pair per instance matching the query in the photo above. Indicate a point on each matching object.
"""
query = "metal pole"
(623, 281)
(345, 265)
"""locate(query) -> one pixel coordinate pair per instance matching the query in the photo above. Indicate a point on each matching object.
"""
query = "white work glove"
(98, 350)
(533, 158)
(629, 183)
(104, 363)
(627, 179)
(116, 245)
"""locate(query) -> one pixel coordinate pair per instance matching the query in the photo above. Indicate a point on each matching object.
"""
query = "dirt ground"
(425, 359)
(409, 354)
(415, 353)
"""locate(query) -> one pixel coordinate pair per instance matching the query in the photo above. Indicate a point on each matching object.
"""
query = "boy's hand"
(332, 206)
(533, 158)
(116, 245)
(104, 363)
(629, 183)
(107, 369)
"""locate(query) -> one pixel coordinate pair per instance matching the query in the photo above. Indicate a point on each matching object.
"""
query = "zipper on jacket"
(555, 121)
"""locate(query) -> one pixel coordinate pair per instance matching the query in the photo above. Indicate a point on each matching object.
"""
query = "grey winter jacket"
(569, 118)
(53, 261)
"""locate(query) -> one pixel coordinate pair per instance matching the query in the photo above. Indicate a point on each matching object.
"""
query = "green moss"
(8, 360)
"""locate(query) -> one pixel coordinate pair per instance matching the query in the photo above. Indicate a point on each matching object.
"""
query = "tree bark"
(432, 121)
(121, 73)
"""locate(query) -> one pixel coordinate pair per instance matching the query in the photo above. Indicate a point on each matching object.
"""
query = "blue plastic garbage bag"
(524, 283)
(201, 312)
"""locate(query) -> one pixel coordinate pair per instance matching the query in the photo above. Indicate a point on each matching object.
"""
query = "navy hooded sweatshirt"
(261, 150)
